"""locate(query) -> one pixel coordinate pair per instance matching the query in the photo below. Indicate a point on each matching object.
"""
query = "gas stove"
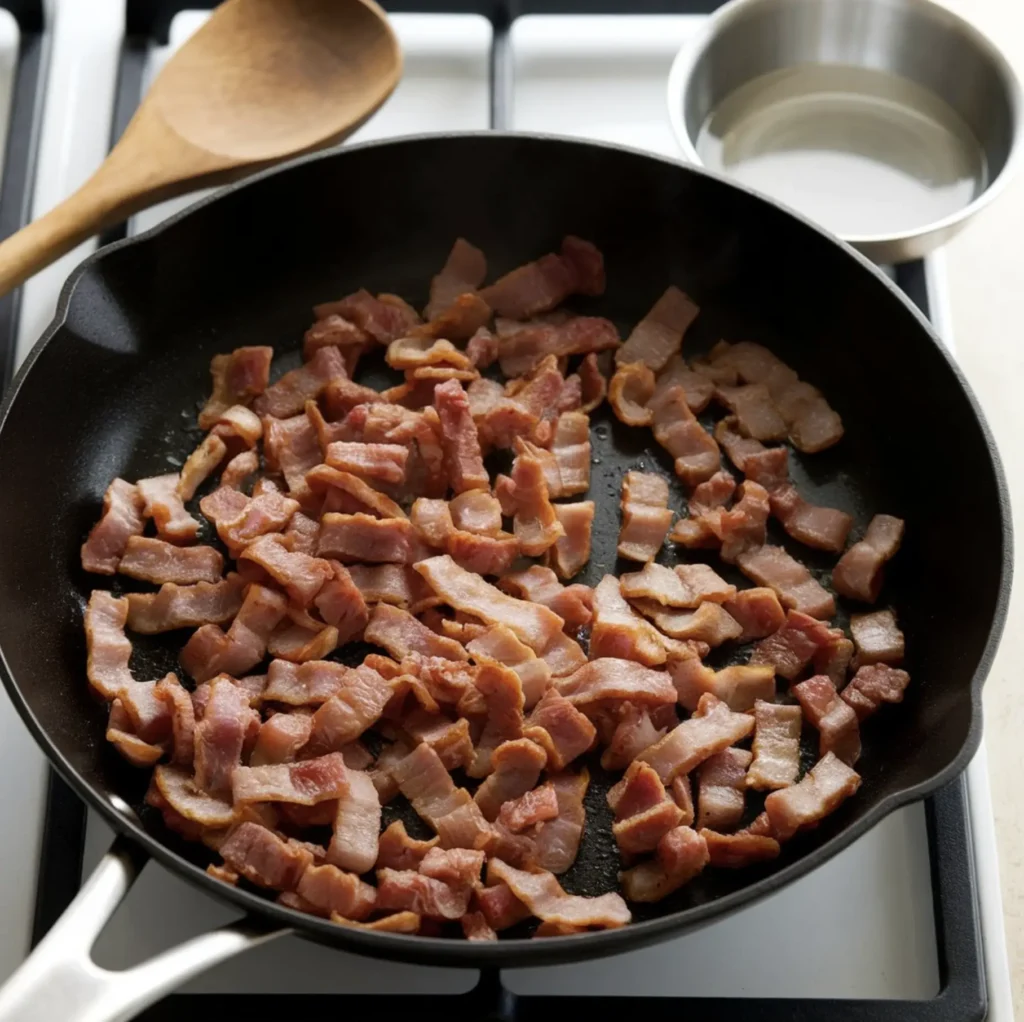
(906, 923)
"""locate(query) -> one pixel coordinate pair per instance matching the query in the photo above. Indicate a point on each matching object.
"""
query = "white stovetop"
(607, 85)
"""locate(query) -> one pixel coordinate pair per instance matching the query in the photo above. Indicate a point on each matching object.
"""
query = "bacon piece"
(754, 409)
(434, 899)
(346, 492)
(503, 700)
(659, 335)
(463, 273)
(560, 729)
(543, 896)
(138, 752)
(633, 733)
(396, 584)
(329, 891)
(280, 738)
(734, 851)
(237, 379)
(200, 465)
(220, 735)
(459, 439)
(354, 842)
(397, 922)
(457, 867)
(721, 784)
(301, 576)
(593, 385)
(758, 611)
(288, 396)
(401, 634)
(176, 788)
(305, 784)
(829, 783)
(743, 450)
(482, 349)
(813, 423)
(122, 518)
(499, 645)
(334, 332)
(835, 720)
(384, 463)
(264, 859)
(873, 685)
(542, 285)
(619, 631)
(792, 647)
(739, 686)
(500, 907)
(776, 746)
(210, 651)
(709, 623)
(877, 638)
(833, 658)
(681, 855)
(536, 525)
(539, 584)
(239, 468)
(153, 560)
(346, 715)
(450, 811)
(629, 390)
(465, 591)
(240, 519)
(515, 769)
(742, 527)
(571, 552)
(823, 528)
(682, 795)
(425, 348)
(239, 423)
(713, 493)
(399, 851)
(644, 814)
(362, 538)
(859, 574)
(183, 721)
(449, 739)
(645, 516)
(298, 643)
(611, 678)
(536, 806)
(794, 585)
(384, 318)
(697, 387)
(109, 650)
(677, 430)
(712, 728)
(292, 447)
(308, 684)
(162, 503)
(341, 604)
(476, 511)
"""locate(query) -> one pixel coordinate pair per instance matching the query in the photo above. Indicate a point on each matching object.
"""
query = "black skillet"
(112, 389)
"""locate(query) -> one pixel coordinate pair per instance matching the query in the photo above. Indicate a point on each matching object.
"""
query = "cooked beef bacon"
(358, 519)
(646, 517)
(858, 575)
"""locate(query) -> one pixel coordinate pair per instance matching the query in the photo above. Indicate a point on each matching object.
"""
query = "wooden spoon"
(262, 80)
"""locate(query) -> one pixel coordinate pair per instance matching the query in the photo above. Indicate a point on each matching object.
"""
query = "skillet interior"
(114, 390)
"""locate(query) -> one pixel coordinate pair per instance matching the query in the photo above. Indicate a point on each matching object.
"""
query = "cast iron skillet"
(112, 387)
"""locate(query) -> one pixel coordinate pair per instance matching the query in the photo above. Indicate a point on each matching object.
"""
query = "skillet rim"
(553, 950)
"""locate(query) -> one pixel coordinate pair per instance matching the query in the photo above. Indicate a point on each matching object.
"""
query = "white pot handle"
(59, 981)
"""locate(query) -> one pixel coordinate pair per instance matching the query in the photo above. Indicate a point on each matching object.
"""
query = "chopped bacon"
(397, 922)
(476, 511)
(543, 896)
(424, 350)
(463, 273)
(220, 735)
(341, 604)
(396, 584)
(659, 335)
(354, 842)
(237, 379)
(515, 769)
(758, 611)
(567, 464)
(288, 396)
(299, 643)
(776, 746)
(739, 686)
(682, 795)
(334, 332)
(858, 575)
(396, 850)
(154, 560)
(459, 439)
(383, 463)
(619, 631)
(346, 715)
(611, 678)
(500, 907)
(162, 503)
(384, 318)
(697, 387)
(358, 538)
(210, 651)
(239, 423)
(535, 806)
(109, 650)
(835, 720)
(449, 739)
(634, 732)
(593, 385)
(121, 519)
(823, 528)
(183, 720)
(696, 454)
(743, 449)
(465, 591)
(308, 684)
(539, 585)
(712, 728)
(571, 552)
(681, 855)
(793, 646)
(280, 738)
(644, 813)
(401, 634)
(544, 284)
(829, 783)
(709, 623)
(833, 658)
(239, 468)
(476, 927)
(240, 519)
(200, 465)
(174, 790)
(813, 424)
(305, 784)
(138, 752)
(499, 645)
(754, 409)
(292, 447)
(873, 685)
(536, 525)
(793, 584)
(645, 515)
(629, 390)
(301, 576)
(877, 637)
(409, 891)
(482, 348)
(721, 784)
(331, 891)
(734, 851)
(503, 700)
(346, 492)
(560, 729)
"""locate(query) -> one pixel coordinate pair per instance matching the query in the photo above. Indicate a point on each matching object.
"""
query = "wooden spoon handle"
(38, 244)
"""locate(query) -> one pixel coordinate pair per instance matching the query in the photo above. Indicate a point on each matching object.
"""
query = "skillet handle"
(59, 982)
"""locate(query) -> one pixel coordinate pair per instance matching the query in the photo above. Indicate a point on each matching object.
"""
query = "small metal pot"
(915, 39)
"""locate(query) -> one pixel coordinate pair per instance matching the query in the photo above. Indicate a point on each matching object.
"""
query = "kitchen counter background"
(986, 273)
